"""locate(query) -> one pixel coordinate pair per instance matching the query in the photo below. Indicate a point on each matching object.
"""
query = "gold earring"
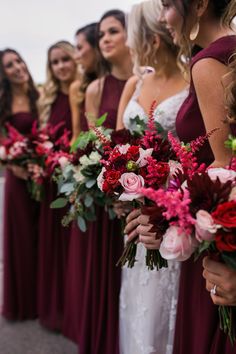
(194, 31)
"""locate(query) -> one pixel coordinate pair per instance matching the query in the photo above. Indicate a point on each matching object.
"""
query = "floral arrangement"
(131, 165)
(200, 206)
(31, 151)
(76, 175)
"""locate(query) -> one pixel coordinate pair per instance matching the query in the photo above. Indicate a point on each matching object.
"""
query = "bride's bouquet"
(128, 167)
(200, 206)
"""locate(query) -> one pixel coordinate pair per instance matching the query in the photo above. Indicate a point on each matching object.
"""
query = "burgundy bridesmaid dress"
(20, 240)
(95, 253)
(53, 239)
(197, 324)
(75, 273)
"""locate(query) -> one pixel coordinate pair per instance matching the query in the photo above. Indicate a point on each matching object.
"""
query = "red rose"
(112, 178)
(133, 153)
(226, 241)
(121, 136)
(225, 214)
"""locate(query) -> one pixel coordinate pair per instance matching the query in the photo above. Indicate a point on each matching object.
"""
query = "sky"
(31, 26)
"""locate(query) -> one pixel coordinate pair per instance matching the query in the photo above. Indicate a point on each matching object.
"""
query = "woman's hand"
(131, 224)
(19, 172)
(222, 278)
(148, 239)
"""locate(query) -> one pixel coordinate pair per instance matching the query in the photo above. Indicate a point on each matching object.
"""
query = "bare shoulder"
(95, 87)
(208, 71)
(74, 87)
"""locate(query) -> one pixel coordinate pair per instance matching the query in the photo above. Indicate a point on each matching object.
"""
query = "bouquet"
(43, 143)
(129, 166)
(76, 175)
(201, 209)
(31, 152)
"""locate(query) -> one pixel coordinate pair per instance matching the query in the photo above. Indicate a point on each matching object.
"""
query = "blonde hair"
(51, 87)
(143, 25)
(230, 14)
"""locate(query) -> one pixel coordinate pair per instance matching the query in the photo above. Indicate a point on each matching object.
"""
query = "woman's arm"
(75, 110)
(124, 100)
(207, 78)
(93, 99)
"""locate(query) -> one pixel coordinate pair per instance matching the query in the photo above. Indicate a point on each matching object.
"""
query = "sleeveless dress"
(100, 310)
(197, 323)
(20, 240)
(53, 239)
(148, 298)
(75, 273)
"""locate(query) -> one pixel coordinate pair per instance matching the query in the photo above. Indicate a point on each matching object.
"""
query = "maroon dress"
(20, 240)
(197, 324)
(98, 251)
(75, 273)
(53, 239)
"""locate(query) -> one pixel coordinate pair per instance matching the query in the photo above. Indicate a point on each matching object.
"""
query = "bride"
(148, 298)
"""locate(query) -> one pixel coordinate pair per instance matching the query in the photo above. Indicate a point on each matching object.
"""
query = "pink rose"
(205, 226)
(223, 174)
(177, 245)
(131, 184)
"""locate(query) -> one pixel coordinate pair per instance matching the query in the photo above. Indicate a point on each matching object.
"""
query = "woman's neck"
(210, 31)
(167, 70)
(19, 90)
(64, 87)
(122, 70)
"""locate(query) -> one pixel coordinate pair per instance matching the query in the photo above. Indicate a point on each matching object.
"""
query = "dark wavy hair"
(90, 33)
(119, 16)
(6, 91)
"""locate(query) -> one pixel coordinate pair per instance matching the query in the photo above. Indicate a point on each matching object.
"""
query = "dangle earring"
(194, 31)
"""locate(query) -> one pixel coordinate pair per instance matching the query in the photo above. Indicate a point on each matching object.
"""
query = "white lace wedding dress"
(148, 299)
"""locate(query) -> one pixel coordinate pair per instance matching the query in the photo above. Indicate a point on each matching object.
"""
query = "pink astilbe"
(100, 135)
(176, 204)
(196, 144)
(151, 119)
(186, 156)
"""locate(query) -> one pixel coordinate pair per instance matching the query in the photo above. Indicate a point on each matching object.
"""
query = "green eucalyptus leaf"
(88, 201)
(90, 183)
(58, 203)
(81, 223)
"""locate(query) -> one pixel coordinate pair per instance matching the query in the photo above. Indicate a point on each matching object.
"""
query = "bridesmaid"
(88, 57)
(146, 321)
(200, 23)
(53, 237)
(18, 97)
(217, 273)
(99, 326)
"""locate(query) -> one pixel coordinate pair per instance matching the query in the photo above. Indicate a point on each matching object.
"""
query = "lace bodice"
(165, 113)
(148, 299)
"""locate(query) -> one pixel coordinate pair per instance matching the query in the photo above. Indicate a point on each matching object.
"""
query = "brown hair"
(6, 91)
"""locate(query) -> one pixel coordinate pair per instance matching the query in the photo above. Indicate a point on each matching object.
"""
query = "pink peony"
(131, 184)
(223, 174)
(205, 226)
(177, 245)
